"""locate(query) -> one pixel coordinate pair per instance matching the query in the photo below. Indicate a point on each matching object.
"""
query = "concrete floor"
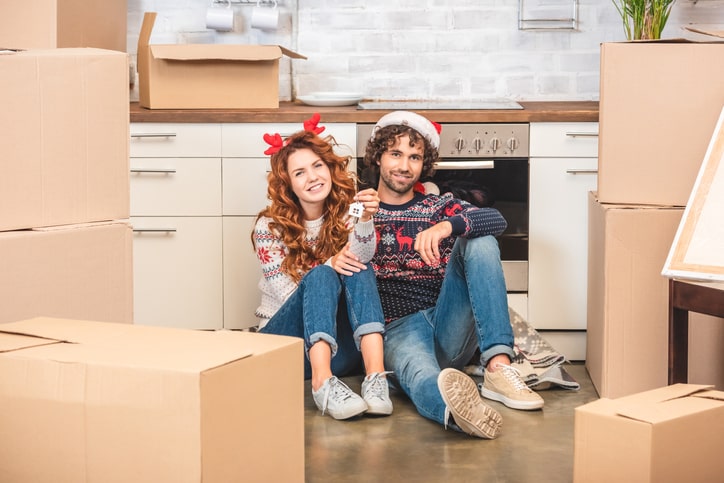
(535, 446)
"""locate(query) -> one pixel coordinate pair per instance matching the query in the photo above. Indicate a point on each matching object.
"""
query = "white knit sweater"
(275, 285)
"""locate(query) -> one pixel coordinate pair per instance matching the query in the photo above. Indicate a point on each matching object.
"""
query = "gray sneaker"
(468, 410)
(376, 394)
(337, 399)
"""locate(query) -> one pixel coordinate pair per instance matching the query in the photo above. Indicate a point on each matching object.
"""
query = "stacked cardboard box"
(659, 105)
(65, 244)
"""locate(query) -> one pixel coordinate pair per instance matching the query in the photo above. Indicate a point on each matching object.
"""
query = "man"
(441, 284)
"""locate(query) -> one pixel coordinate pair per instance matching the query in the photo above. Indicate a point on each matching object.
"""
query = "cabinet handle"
(153, 135)
(581, 171)
(582, 134)
(154, 170)
(464, 165)
(154, 230)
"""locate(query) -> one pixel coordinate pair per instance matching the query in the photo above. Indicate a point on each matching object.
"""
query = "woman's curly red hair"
(286, 212)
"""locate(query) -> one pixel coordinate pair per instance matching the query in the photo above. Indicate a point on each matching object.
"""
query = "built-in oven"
(487, 165)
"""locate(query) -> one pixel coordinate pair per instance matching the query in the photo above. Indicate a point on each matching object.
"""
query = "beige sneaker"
(506, 385)
(463, 402)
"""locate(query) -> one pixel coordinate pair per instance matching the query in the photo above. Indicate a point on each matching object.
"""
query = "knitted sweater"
(406, 284)
(275, 285)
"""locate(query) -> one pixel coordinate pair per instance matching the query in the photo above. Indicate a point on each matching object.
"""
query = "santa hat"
(428, 129)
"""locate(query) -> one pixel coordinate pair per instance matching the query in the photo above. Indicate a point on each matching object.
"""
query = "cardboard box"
(199, 76)
(627, 331)
(670, 434)
(65, 137)
(659, 104)
(99, 402)
(79, 271)
(49, 24)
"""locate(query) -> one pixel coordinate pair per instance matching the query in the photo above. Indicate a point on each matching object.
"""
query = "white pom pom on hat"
(424, 126)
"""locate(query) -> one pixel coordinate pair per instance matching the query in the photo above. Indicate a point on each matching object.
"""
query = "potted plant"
(644, 19)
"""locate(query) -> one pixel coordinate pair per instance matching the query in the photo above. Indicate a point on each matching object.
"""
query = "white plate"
(329, 101)
(336, 95)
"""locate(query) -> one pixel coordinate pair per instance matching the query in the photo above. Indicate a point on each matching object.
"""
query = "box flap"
(216, 52)
(712, 33)
(665, 403)
(12, 342)
(717, 395)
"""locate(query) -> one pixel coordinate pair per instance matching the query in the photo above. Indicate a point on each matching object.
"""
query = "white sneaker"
(463, 402)
(376, 393)
(336, 398)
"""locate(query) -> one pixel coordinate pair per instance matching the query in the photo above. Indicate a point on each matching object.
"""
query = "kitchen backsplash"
(425, 49)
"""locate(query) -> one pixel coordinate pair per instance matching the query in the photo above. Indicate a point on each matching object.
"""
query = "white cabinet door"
(242, 273)
(177, 268)
(563, 169)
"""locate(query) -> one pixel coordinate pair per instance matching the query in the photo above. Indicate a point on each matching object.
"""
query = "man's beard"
(394, 185)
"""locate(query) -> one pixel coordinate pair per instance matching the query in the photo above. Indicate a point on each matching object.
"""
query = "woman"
(316, 282)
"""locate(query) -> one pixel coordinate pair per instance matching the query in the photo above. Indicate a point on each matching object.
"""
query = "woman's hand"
(346, 263)
(371, 202)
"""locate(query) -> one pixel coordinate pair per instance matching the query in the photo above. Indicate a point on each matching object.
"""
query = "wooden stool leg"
(678, 339)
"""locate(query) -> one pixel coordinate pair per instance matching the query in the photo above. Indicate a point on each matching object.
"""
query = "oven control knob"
(494, 144)
(477, 144)
(513, 144)
(459, 144)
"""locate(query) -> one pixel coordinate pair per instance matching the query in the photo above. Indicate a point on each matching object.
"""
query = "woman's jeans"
(334, 308)
(471, 312)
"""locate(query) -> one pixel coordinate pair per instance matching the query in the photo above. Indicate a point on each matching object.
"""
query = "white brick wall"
(431, 49)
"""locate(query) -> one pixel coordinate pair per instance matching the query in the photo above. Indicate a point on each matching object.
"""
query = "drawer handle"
(155, 170)
(153, 135)
(582, 134)
(442, 165)
(581, 171)
(154, 230)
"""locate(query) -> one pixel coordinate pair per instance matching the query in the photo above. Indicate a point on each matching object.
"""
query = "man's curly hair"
(286, 212)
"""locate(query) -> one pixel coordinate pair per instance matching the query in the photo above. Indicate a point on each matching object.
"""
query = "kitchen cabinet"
(177, 225)
(563, 169)
(196, 189)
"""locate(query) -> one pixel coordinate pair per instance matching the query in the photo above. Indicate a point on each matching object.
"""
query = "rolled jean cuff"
(494, 351)
(368, 328)
(316, 337)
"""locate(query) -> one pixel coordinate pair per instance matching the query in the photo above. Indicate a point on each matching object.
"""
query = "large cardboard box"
(99, 402)
(78, 271)
(659, 104)
(199, 76)
(627, 331)
(670, 434)
(49, 24)
(65, 137)
(628, 302)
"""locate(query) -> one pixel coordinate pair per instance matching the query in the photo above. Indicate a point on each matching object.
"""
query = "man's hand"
(427, 242)
(346, 263)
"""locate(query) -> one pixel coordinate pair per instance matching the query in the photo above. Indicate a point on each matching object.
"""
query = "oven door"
(502, 184)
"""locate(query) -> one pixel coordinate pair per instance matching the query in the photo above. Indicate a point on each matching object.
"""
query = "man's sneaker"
(463, 402)
(337, 399)
(376, 394)
(506, 385)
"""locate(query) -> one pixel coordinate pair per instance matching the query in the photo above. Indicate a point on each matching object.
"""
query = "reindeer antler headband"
(276, 142)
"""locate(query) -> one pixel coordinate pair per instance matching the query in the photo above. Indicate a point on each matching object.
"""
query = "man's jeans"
(471, 312)
(334, 308)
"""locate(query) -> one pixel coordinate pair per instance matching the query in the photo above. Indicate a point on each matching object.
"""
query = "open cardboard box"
(203, 76)
(669, 434)
(103, 402)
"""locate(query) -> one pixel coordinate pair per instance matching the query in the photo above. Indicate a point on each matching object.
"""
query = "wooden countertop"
(564, 111)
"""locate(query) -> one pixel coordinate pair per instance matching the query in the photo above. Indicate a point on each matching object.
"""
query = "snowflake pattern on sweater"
(405, 283)
(275, 285)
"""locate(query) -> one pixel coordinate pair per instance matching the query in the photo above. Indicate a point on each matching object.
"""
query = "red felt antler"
(311, 124)
(275, 143)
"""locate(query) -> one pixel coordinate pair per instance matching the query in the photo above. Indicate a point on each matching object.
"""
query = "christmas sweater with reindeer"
(276, 286)
(406, 284)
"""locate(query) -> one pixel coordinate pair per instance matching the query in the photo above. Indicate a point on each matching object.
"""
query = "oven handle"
(490, 164)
